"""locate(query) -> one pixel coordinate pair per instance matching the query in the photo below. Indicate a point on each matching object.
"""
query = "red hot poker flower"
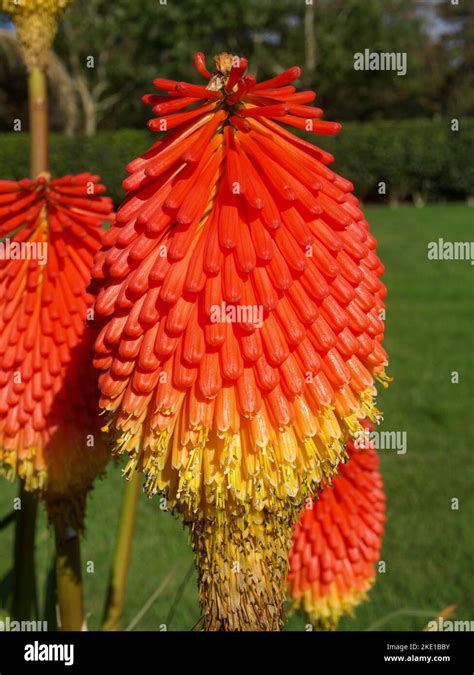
(337, 541)
(49, 233)
(241, 300)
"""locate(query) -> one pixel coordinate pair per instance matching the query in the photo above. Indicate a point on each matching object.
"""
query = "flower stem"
(24, 579)
(123, 550)
(69, 579)
(38, 107)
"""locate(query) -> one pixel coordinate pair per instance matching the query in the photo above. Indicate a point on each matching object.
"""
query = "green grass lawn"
(428, 547)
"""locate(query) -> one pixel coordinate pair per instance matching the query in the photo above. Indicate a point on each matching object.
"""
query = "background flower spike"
(241, 332)
(337, 540)
(49, 426)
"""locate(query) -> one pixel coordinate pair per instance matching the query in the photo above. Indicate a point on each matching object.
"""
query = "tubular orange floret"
(338, 538)
(237, 71)
(200, 63)
(241, 334)
(49, 433)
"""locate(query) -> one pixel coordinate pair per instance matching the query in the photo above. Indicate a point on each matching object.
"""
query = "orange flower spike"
(240, 300)
(337, 540)
(49, 433)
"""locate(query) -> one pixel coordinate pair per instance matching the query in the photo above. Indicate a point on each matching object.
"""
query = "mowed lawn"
(428, 546)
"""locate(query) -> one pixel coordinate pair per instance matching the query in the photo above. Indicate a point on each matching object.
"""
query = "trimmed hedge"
(418, 159)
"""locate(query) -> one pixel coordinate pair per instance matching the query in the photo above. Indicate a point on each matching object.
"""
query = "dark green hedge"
(417, 159)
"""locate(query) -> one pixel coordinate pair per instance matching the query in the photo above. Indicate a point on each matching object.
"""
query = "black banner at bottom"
(30, 652)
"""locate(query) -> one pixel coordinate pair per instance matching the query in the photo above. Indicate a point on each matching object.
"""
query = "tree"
(112, 51)
(457, 44)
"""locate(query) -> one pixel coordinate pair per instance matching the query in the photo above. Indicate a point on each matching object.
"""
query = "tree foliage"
(112, 51)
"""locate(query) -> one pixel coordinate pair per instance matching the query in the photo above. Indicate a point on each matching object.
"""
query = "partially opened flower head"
(49, 430)
(36, 24)
(242, 308)
(337, 540)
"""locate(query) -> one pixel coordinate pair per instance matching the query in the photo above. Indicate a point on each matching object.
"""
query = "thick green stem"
(24, 577)
(69, 579)
(123, 551)
(38, 106)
